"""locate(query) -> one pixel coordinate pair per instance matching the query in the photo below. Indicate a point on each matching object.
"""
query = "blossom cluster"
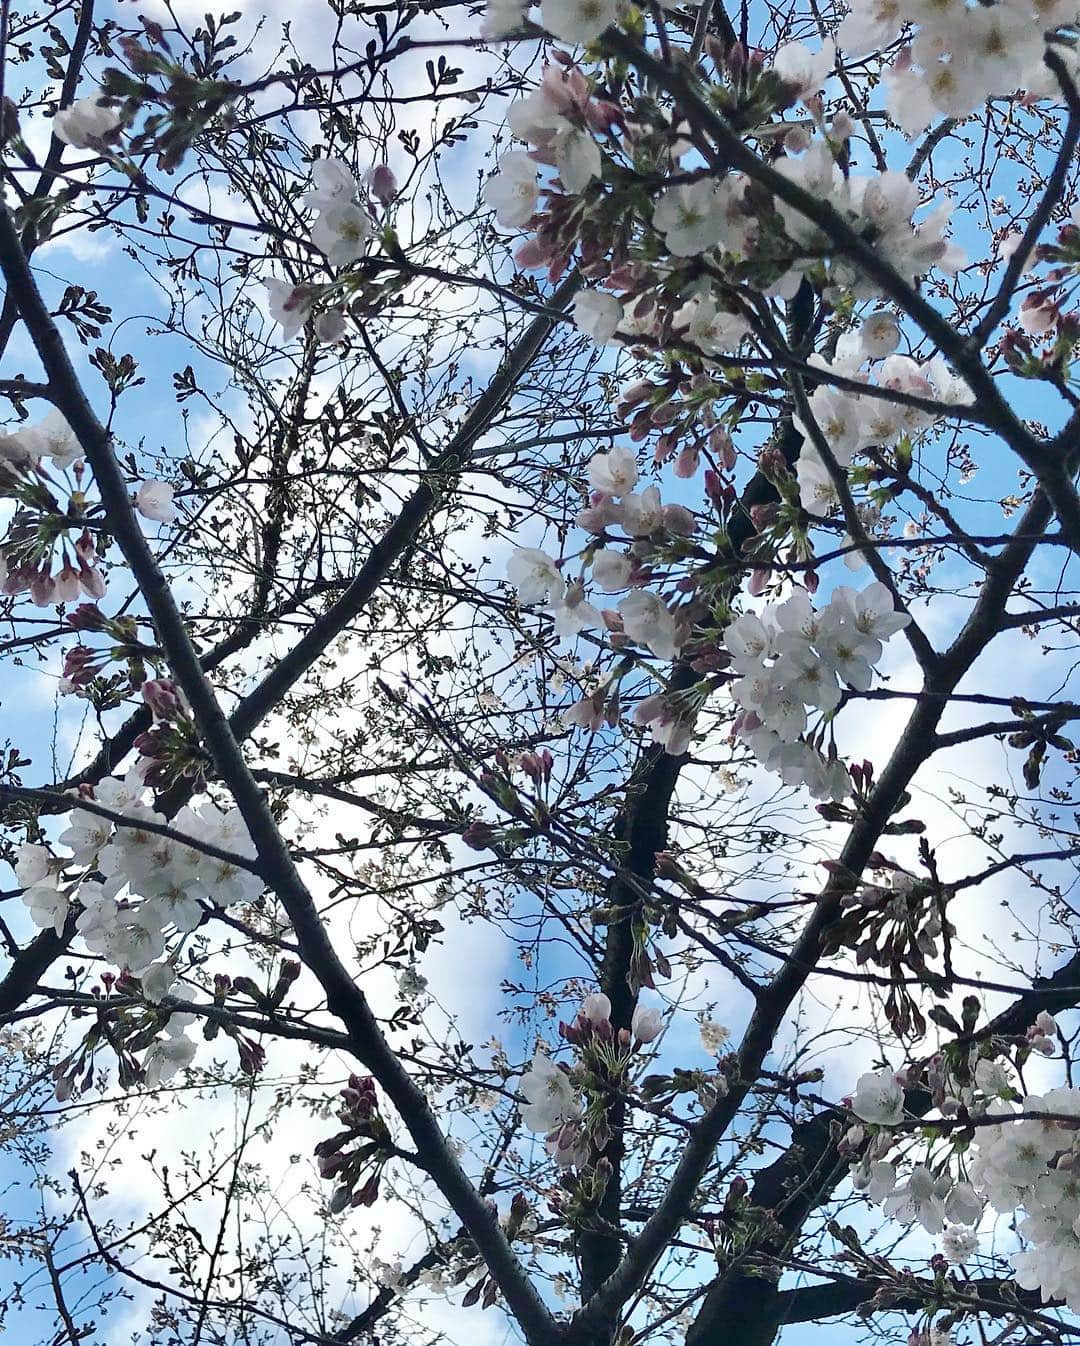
(341, 231)
(643, 617)
(672, 263)
(51, 552)
(1034, 1167)
(354, 1158)
(653, 286)
(789, 658)
(42, 472)
(1022, 1160)
(135, 892)
(850, 422)
(552, 1092)
(959, 55)
(792, 658)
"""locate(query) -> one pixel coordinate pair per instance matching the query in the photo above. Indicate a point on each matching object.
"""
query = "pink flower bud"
(68, 587)
(688, 461)
(647, 1024)
(478, 836)
(679, 520)
(163, 698)
(1038, 313)
(42, 588)
(534, 254)
(382, 184)
(92, 581)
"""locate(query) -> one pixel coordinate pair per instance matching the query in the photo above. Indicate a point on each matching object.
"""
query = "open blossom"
(86, 836)
(611, 570)
(817, 490)
(648, 621)
(535, 576)
(334, 182)
(154, 500)
(577, 159)
(713, 1036)
(86, 122)
(920, 1199)
(166, 1057)
(613, 473)
(157, 981)
(647, 1023)
(963, 1205)
(710, 328)
(512, 190)
(803, 70)
(577, 20)
(879, 335)
(54, 438)
(544, 111)
(691, 217)
(572, 614)
(31, 864)
(47, 906)
(872, 613)
(749, 642)
(226, 883)
(879, 1099)
(341, 233)
(551, 1098)
(290, 305)
(807, 678)
(992, 1078)
(870, 23)
(597, 315)
(877, 1179)
(642, 512)
(330, 326)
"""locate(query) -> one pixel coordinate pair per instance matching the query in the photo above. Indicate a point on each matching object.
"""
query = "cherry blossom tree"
(538, 615)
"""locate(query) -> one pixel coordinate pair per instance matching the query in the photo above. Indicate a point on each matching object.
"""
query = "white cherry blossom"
(611, 570)
(290, 305)
(512, 190)
(48, 908)
(550, 1097)
(341, 233)
(86, 122)
(878, 1098)
(597, 315)
(535, 576)
(167, 1057)
(648, 621)
(642, 512)
(154, 500)
(690, 217)
(613, 473)
(577, 20)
